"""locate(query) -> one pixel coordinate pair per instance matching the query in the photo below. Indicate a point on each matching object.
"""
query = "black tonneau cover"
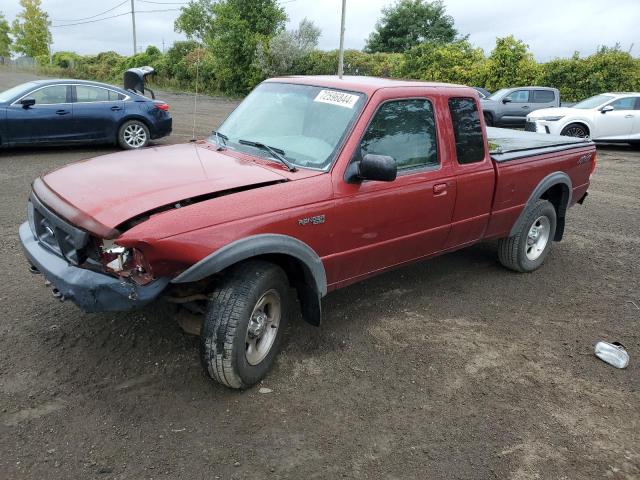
(506, 144)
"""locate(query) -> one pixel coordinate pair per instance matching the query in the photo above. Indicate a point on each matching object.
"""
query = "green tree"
(5, 39)
(409, 23)
(231, 30)
(510, 64)
(286, 48)
(457, 62)
(30, 30)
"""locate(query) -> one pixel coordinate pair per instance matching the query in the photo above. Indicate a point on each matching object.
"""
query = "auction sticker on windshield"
(333, 97)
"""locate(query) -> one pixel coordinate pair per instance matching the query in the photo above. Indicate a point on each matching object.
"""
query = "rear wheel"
(133, 134)
(575, 130)
(527, 249)
(243, 327)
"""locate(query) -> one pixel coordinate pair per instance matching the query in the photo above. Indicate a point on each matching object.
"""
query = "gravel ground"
(452, 368)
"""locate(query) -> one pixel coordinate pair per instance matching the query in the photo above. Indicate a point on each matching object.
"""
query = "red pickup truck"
(311, 184)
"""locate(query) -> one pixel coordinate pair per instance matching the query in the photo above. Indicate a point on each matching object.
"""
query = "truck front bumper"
(91, 291)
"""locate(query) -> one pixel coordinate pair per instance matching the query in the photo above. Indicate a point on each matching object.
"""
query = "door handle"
(628, 116)
(525, 106)
(115, 108)
(440, 189)
(62, 112)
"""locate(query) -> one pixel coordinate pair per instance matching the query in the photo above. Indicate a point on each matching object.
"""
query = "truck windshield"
(593, 102)
(306, 124)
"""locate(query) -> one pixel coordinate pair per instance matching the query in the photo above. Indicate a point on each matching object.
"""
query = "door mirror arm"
(506, 100)
(607, 108)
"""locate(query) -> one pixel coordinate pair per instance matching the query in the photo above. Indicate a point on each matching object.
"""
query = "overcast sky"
(551, 28)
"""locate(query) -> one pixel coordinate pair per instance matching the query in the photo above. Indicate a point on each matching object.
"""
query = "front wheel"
(575, 130)
(133, 134)
(488, 119)
(243, 327)
(527, 249)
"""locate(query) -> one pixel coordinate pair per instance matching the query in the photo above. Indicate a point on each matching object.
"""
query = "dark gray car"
(509, 107)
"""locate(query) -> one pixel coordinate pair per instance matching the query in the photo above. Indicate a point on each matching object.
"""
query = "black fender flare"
(311, 290)
(551, 180)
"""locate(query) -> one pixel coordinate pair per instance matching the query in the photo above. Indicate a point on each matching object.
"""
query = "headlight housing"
(125, 262)
(551, 118)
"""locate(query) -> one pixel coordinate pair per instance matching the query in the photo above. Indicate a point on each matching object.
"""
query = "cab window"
(85, 93)
(519, 96)
(404, 130)
(627, 103)
(49, 95)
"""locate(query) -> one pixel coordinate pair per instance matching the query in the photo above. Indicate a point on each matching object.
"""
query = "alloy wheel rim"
(135, 136)
(538, 237)
(263, 327)
(576, 132)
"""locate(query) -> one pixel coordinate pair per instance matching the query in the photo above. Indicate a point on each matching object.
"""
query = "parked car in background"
(509, 107)
(610, 117)
(310, 185)
(482, 92)
(78, 112)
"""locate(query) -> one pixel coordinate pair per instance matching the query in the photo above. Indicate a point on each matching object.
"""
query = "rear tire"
(244, 324)
(528, 248)
(575, 130)
(133, 134)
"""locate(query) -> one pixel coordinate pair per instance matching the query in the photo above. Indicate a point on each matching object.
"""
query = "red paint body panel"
(369, 227)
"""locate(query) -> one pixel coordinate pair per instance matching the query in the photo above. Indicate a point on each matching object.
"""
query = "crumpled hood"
(117, 187)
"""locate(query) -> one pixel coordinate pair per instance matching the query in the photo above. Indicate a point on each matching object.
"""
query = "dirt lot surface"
(453, 368)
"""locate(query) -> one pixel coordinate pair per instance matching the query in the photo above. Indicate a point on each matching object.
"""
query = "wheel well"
(582, 124)
(559, 196)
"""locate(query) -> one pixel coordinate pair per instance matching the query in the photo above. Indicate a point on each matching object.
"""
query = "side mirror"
(606, 109)
(506, 100)
(381, 168)
(27, 102)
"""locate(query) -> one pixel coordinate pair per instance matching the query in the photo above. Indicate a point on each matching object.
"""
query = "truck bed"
(506, 144)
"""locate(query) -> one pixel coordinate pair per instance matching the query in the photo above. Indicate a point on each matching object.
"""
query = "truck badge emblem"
(317, 220)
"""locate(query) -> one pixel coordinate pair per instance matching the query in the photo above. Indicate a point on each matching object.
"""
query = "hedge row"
(509, 64)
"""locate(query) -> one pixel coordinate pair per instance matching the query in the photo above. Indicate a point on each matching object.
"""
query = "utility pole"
(341, 54)
(133, 22)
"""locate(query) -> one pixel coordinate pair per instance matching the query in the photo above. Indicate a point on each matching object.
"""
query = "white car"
(610, 117)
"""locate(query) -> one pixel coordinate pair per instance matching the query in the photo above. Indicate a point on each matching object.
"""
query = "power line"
(115, 16)
(91, 21)
(164, 3)
(92, 16)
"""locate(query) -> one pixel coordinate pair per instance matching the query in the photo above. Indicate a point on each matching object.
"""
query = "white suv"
(610, 117)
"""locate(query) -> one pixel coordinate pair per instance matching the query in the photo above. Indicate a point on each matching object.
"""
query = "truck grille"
(56, 234)
(530, 126)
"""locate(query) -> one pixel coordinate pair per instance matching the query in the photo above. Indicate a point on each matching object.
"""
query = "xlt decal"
(584, 159)
(317, 220)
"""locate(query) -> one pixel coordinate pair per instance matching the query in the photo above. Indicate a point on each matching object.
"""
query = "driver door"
(518, 108)
(383, 224)
(617, 123)
(48, 120)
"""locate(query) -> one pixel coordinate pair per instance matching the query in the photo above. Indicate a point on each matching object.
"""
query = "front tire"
(527, 249)
(488, 119)
(243, 327)
(133, 134)
(575, 130)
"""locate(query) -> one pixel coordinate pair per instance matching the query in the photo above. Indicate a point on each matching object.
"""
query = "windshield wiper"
(276, 153)
(221, 140)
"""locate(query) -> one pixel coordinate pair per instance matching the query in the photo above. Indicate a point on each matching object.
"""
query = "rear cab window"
(467, 130)
(543, 96)
(405, 130)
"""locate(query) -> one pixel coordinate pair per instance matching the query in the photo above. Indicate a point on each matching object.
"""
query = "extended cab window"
(404, 130)
(467, 130)
(543, 96)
